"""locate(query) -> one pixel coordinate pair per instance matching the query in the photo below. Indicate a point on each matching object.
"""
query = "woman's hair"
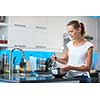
(76, 25)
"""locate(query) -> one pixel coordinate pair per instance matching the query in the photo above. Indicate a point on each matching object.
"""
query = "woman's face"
(74, 33)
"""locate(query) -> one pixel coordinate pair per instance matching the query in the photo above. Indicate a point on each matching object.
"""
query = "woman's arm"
(82, 68)
(63, 60)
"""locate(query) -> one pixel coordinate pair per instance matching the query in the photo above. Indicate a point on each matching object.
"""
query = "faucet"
(11, 62)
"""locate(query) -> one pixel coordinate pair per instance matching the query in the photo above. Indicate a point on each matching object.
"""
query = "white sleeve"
(89, 45)
(68, 44)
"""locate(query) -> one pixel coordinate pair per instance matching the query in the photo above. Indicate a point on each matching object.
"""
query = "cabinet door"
(27, 37)
(55, 33)
(19, 36)
(22, 20)
(28, 31)
(40, 37)
(39, 29)
(39, 21)
(28, 20)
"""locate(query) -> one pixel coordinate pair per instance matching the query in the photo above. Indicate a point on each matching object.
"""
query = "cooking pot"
(57, 73)
(54, 68)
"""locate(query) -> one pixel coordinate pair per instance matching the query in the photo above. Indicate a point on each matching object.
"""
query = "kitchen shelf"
(3, 45)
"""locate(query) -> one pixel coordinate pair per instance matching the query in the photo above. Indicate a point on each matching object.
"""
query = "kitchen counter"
(36, 78)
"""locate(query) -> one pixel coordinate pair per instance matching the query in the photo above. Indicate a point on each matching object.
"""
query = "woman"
(78, 56)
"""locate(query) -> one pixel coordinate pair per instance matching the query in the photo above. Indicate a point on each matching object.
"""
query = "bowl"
(57, 73)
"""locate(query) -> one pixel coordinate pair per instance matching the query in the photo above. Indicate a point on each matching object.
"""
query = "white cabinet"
(40, 38)
(39, 31)
(22, 20)
(22, 36)
(40, 21)
(55, 33)
(43, 31)
(19, 36)
(29, 32)
(30, 21)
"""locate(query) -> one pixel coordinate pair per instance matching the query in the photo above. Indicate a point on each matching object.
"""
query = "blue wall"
(95, 59)
(18, 54)
(39, 54)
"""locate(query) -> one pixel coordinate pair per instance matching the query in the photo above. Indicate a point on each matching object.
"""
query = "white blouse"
(77, 57)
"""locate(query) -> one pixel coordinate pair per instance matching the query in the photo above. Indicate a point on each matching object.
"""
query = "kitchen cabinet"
(39, 32)
(40, 38)
(20, 20)
(27, 31)
(33, 32)
(56, 29)
(41, 21)
(28, 20)
(43, 31)
(19, 36)
(22, 36)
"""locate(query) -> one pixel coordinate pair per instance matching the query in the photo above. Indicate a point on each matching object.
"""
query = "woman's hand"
(54, 58)
(65, 68)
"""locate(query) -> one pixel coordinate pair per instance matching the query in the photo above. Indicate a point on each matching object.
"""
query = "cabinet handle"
(22, 46)
(20, 25)
(40, 27)
(40, 46)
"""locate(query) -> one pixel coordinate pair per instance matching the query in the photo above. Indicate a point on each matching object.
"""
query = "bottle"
(33, 63)
(44, 64)
(5, 64)
(5, 59)
(40, 64)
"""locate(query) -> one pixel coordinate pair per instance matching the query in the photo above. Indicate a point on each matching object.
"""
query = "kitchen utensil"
(48, 63)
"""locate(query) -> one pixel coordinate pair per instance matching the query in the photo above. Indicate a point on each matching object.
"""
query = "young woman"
(78, 56)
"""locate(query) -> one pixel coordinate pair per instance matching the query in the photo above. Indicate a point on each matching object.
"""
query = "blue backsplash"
(18, 54)
(39, 54)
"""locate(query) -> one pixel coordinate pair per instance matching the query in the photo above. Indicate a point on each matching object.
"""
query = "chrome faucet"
(11, 62)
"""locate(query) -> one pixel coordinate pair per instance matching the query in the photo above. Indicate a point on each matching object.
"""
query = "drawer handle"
(19, 25)
(40, 46)
(22, 46)
(40, 27)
